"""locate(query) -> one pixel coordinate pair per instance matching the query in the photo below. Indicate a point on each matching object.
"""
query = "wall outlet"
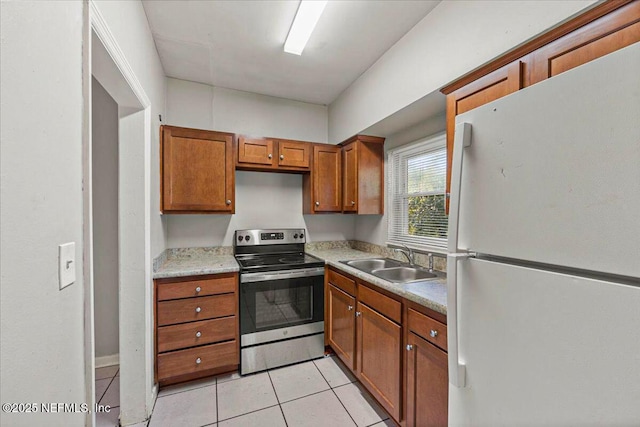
(66, 264)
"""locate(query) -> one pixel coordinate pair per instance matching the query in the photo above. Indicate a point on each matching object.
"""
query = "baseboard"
(109, 360)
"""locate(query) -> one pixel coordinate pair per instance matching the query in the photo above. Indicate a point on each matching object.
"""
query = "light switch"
(67, 264)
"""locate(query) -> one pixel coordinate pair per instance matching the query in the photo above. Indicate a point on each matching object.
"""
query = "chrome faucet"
(408, 252)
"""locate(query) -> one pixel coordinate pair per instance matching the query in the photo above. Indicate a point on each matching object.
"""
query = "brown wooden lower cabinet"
(379, 358)
(341, 331)
(396, 351)
(196, 327)
(427, 383)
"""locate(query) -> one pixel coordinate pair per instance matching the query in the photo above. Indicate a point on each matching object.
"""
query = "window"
(416, 185)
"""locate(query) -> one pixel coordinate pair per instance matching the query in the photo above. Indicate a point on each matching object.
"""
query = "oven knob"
(247, 238)
(240, 238)
(301, 235)
(295, 236)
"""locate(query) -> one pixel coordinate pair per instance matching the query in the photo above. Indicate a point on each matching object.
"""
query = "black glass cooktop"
(278, 261)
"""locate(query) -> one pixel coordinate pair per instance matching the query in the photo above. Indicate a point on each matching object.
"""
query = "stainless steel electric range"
(281, 299)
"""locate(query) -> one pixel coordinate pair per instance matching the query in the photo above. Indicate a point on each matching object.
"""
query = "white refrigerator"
(544, 253)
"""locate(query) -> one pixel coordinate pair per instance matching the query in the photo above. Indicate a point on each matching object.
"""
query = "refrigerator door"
(552, 172)
(545, 349)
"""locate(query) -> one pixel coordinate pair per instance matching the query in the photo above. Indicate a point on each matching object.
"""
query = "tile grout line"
(335, 394)
(217, 407)
(105, 390)
(278, 399)
(247, 413)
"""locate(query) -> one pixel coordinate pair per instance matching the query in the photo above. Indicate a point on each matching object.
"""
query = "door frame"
(104, 60)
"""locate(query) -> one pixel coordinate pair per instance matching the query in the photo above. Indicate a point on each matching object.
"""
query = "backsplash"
(439, 262)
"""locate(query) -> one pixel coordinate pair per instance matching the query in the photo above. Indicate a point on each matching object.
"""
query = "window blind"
(416, 184)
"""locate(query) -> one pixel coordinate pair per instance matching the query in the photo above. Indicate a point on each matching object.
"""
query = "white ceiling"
(238, 44)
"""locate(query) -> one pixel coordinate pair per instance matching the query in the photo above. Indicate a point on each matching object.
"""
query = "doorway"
(125, 255)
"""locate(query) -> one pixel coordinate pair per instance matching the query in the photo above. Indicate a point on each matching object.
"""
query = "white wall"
(455, 38)
(373, 228)
(104, 135)
(42, 340)
(127, 23)
(263, 199)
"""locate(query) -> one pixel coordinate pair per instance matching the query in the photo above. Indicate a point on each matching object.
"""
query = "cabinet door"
(197, 171)
(327, 178)
(255, 151)
(341, 325)
(294, 154)
(379, 355)
(350, 177)
(501, 82)
(427, 383)
(600, 37)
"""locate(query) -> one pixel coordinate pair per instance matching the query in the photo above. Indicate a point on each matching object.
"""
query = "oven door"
(281, 305)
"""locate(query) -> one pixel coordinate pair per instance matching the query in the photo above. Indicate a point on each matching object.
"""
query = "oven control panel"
(269, 237)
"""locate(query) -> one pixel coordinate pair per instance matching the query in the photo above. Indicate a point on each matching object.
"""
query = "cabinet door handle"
(281, 156)
(433, 333)
(228, 202)
(198, 334)
(350, 308)
(358, 314)
(270, 155)
(198, 309)
(198, 361)
(353, 203)
(317, 203)
(409, 347)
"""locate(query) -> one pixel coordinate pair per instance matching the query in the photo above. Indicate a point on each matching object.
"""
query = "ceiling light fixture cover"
(305, 21)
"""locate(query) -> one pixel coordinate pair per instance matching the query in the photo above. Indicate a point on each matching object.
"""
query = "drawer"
(192, 309)
(192, 334)
(184, 362)
(342, 282)
(381, 303)
(429, 329)
(187, 288)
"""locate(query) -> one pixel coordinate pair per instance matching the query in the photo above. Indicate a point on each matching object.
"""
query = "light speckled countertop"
(200, 261)
(196, 264)
(430, 293)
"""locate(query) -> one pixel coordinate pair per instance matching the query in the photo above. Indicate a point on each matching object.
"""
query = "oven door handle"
(289, 274)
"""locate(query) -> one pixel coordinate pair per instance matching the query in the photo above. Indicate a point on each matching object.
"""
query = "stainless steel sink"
(403, 274)
(369, 265)
(391, 270)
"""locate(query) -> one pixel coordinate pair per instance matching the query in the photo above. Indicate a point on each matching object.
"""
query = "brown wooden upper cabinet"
(322, 187)
(603, 29)
(197, 171)
(363, 175)
(275, 155)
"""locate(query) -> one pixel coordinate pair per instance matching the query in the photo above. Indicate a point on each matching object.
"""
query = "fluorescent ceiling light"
(305, 21)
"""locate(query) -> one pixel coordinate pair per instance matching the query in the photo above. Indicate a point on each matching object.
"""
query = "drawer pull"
(198, 334)
(350, 308)
(198, 361)
(358, 314)
(228, 202)
(317, 203)
(433, 333)
(270, 156)
(281, 156)
(198, 289)
(198, 309)
(409, 347)
(353, 203)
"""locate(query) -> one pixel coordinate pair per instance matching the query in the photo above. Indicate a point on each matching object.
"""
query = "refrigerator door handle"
(461, 140)
(457, 370)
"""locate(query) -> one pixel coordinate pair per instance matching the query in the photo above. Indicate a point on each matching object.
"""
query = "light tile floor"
(108, 393)
(316, 393)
